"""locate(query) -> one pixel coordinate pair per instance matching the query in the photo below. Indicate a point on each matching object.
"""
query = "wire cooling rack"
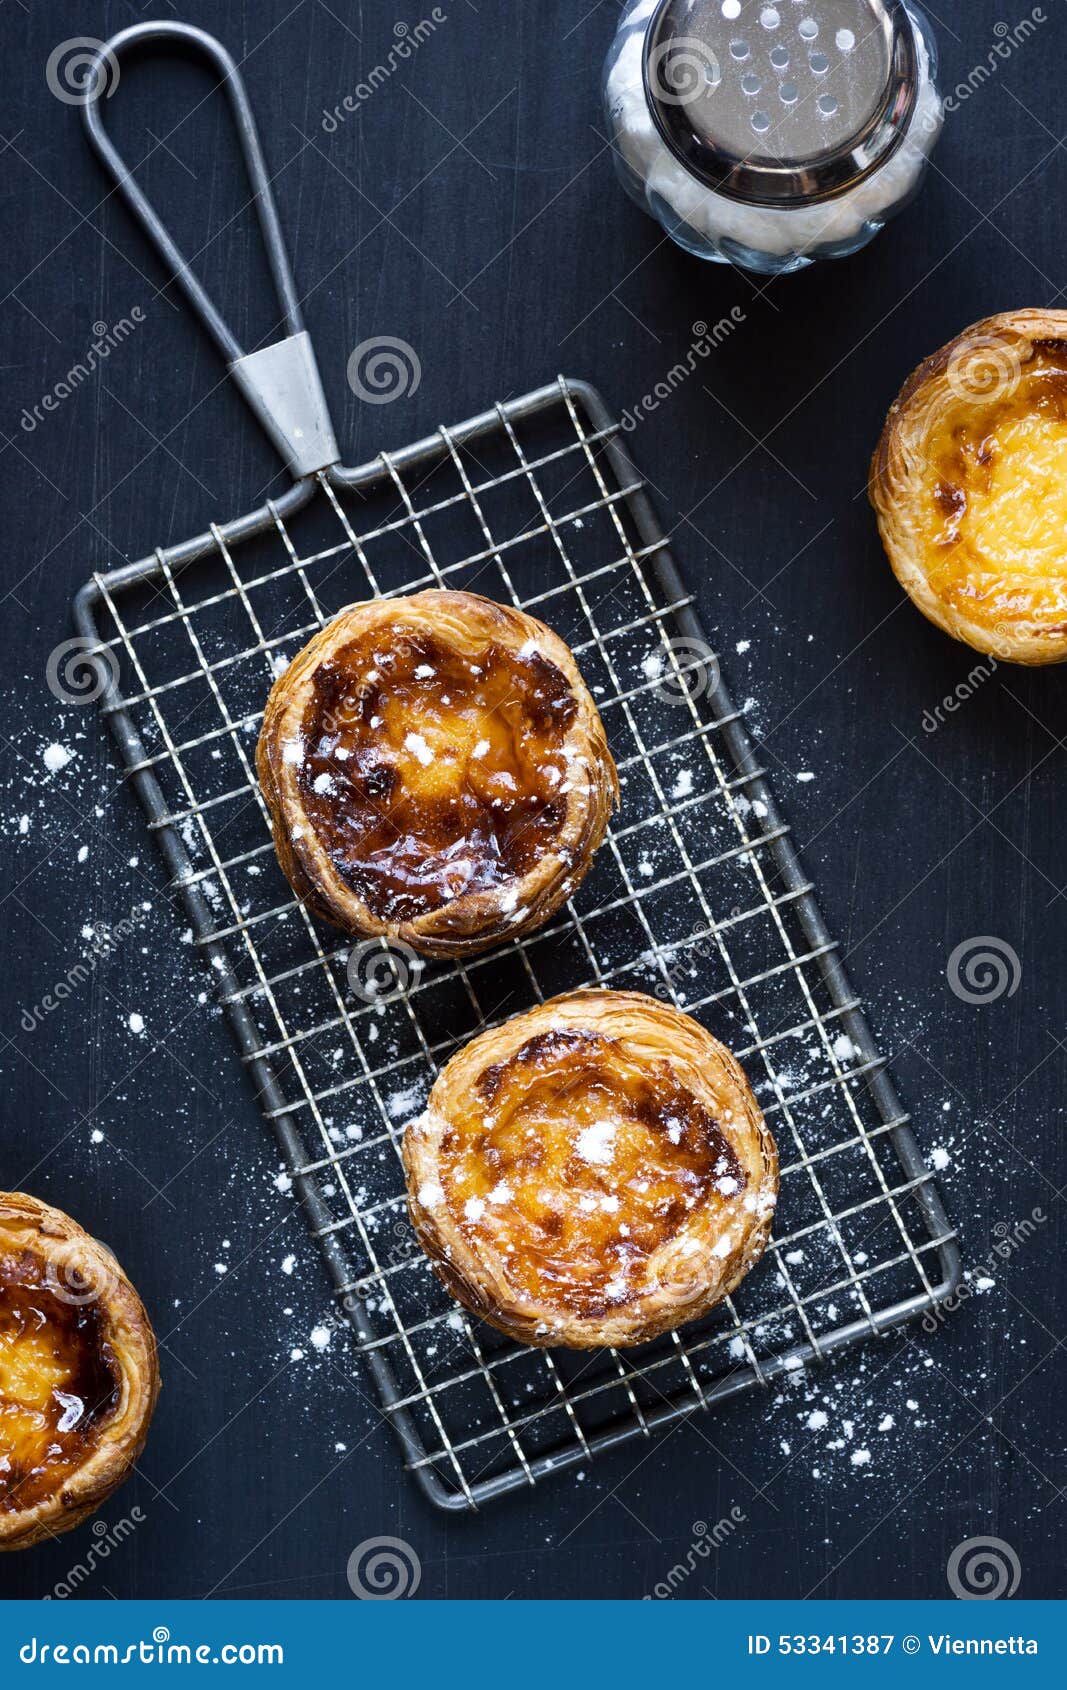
(697, 896)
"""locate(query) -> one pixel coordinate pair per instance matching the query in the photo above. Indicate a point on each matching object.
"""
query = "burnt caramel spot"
(578, 1164)
(951, 501)
(542, 1047)
(1048, 379)
(427, 773)
(684, 1121)
(59, 1381)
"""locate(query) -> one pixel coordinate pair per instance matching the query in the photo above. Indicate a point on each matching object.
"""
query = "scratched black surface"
(470, 209)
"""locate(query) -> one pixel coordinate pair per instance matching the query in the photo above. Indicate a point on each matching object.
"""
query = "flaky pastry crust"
(436, 772)
(79, 1375)
(594, 1172)
(969, 483)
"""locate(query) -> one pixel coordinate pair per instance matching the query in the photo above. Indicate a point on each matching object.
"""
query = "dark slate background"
(471, 210)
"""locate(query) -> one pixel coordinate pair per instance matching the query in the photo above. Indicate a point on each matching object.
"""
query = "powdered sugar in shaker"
(769, 135)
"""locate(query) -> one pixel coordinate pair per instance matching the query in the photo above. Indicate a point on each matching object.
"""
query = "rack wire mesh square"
(697, 896)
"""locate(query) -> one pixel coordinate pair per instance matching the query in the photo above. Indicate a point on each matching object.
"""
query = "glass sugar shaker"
(769, 135)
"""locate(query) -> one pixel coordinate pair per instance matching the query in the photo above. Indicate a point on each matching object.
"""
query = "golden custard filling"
(59, 1383)
(576, 1164)
(428, 772)
(996, 497)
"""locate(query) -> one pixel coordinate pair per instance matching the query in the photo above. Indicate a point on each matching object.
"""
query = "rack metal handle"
(281, 382)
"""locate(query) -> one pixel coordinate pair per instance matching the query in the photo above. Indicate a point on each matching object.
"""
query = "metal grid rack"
(697, 895)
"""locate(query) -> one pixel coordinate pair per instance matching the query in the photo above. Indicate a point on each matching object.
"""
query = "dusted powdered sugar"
(597, 1143)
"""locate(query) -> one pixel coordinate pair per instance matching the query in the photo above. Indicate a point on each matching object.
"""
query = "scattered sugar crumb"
(596, 1143)
(416, 744)
(403, 1102)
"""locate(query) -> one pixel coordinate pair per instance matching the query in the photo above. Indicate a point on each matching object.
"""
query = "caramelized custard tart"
(970, 485)
(436, 772)
(596, 1171)
(78, 1372)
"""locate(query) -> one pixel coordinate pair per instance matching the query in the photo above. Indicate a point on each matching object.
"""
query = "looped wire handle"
(281, 382)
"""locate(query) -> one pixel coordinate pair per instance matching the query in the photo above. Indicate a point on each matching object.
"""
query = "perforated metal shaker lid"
(782, 103)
